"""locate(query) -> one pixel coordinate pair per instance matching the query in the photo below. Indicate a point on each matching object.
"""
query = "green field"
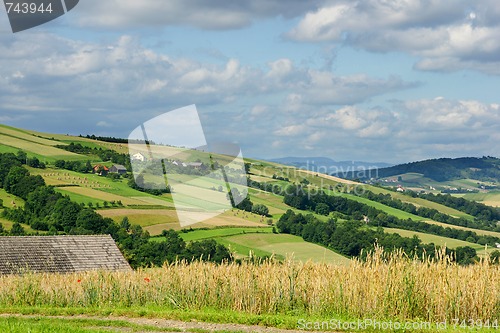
(276, 205)
(437, 240)
(7, 225)
(221, 232)
(48, 151)
(10, 200)
(491, 198)
(85, 188)
(263, 242)
(282, 245)
(420, 202)
(389, 210)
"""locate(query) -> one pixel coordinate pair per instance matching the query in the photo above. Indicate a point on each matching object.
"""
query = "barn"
(118, 168)
(60, 254)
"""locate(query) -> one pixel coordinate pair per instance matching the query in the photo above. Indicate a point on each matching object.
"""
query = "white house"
(138, 157)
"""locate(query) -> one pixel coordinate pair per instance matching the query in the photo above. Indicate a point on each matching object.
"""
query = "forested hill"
(443, 169)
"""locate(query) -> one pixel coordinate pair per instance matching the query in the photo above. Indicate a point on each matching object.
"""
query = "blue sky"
(373, 80)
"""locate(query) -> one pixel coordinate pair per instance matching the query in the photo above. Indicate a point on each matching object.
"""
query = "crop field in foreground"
(382, 288)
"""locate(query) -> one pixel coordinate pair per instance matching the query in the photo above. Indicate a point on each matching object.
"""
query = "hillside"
(443, 169)
(278, 195)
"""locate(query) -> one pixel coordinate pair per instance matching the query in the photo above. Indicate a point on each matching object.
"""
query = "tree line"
(104, 154)
(479, 210)
(351, 238)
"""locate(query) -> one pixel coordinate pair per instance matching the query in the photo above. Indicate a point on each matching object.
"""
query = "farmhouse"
(60, 254)
(101, 170)
(119, 169)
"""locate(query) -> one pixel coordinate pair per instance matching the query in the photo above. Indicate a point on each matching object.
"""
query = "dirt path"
(174, 325)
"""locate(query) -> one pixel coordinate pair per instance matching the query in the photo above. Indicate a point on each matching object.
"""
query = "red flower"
(79, 281)
(147, 279)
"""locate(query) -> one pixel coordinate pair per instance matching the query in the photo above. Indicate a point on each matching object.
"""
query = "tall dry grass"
(382, 287)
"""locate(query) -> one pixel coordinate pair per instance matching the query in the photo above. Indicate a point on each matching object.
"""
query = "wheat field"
(383, 287)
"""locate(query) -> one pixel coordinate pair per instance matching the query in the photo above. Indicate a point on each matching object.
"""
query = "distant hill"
(443, 169)
(327, 165)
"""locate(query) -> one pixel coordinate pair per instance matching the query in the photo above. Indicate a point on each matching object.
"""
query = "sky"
(372, 80)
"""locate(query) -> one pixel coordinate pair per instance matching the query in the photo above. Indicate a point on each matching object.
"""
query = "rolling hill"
(443, 169)
(244, 232)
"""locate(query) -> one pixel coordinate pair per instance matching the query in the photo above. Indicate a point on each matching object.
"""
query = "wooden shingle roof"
(59, 254)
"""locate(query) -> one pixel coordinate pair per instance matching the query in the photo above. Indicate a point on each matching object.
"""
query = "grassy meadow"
(491, 198)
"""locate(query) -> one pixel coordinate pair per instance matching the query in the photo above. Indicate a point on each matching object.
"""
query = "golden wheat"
(382, 287)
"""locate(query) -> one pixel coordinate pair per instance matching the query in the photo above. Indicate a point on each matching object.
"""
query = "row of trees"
(476, 209)
(103, 154)
(350, 238)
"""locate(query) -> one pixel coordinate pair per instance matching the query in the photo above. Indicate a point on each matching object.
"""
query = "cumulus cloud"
(445, 35)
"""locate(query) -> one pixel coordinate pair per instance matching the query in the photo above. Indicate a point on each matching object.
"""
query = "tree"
(465, 255)
(125, 224)
(88, 219)
(322, 209)
(495, 257)
(17, 230)
(65, 214)
(26, 185)
(22, 157)
(245, 205)
(260, 209)
(208, 250)
(88, 167)
(16, 173)
(60, 164)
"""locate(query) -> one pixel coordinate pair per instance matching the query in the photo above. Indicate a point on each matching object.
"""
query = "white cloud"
(292, 130)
